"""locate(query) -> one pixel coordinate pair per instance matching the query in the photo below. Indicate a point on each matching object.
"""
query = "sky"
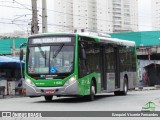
(9, 15)
(16, 15)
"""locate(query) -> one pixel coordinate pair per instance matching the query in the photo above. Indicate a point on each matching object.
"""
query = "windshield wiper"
(58, 50)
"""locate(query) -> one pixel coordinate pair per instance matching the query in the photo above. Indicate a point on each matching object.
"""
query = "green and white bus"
(78, 64)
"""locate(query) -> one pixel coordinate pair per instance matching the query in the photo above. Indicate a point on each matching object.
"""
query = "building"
(104, 16)
(117, 15)
(84, 15)
(155, 7)
(63, 15)
(125, 15)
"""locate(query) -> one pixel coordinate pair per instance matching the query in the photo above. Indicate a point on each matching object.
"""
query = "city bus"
(78, 64)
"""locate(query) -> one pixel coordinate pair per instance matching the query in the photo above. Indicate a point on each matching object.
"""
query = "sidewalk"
(140, 88)
(10, 96)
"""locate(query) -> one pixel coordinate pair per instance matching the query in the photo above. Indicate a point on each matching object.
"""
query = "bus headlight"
(71, 80)
(29, 82)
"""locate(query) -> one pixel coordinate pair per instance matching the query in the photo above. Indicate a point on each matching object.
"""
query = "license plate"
(49, 91)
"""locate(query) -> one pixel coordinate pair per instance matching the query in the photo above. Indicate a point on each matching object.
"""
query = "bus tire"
(48, 98)
(125, 87)
(91, 96)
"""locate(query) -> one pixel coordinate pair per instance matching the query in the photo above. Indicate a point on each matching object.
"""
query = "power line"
(21, 5)
(19, 16)
(11, 6)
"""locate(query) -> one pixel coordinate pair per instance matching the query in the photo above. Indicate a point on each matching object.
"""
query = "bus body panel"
(65, 90)
(84, 83)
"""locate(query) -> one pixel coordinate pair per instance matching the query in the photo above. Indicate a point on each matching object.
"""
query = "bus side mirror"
(21, 50)
(21, 54)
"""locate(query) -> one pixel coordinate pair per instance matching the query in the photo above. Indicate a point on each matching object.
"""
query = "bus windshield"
(51, 59)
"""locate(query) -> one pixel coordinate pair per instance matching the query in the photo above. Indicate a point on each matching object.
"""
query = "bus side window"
(87, 60)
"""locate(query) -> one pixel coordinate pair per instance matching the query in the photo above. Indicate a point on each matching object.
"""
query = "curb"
(146, 88)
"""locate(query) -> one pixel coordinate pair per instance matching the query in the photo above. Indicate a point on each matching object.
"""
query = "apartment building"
(125, 15)
(63, 15)
(104, 16)
(84, 15)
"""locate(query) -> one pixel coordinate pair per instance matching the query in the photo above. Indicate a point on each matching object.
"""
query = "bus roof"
(110, 40)
(101, 39)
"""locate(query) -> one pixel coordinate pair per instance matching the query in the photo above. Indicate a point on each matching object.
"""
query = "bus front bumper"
(66, 90)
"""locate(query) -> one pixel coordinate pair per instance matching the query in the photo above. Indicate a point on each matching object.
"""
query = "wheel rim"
(125, 88)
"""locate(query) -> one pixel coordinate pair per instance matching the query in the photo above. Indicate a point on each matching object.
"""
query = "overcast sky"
(16, 15)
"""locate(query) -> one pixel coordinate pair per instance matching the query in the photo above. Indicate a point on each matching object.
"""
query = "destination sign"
(51, 40)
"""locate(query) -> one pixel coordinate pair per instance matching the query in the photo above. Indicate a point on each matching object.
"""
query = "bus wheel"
(48, 98)
(92, 92)
(125, 87)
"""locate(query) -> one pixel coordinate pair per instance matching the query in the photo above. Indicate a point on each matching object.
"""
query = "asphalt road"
(134, 101)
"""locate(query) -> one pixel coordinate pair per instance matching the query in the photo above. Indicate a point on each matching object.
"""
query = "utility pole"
(44, 17)
(34, 26)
